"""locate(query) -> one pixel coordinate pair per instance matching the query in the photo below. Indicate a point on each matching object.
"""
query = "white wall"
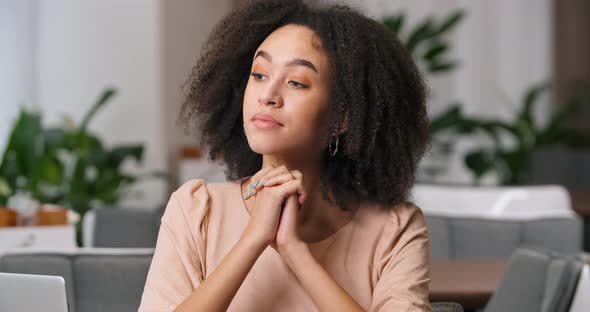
(18, 76)
(182, 37)
(58, 55)
(85, 46)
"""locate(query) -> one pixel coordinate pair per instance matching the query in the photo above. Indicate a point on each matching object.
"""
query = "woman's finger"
(280, 179)
(257, 184)
(277, 176)
(289, 188)
(283, 178)
(256, 177)
(302, 192)
(273, 181)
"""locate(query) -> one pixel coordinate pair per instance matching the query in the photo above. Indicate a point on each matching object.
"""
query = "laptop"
(32, 293)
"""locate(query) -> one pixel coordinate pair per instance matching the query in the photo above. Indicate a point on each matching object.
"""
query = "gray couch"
(471, 238)
(105, 280)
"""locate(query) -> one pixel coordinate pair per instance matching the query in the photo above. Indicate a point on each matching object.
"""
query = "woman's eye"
(256, 76)
(298, 85)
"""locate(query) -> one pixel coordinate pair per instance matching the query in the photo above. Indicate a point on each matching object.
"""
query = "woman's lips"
(266, 121)
(265, 124)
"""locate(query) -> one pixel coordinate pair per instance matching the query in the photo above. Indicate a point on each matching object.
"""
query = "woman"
(319, 115)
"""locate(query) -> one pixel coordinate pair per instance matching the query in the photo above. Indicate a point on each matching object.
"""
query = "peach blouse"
(381, 256)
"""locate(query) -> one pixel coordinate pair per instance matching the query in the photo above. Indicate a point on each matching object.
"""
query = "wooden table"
(470, 283)
(580, 201)
(581, 204)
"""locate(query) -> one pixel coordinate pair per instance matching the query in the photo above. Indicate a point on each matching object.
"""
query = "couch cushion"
(439, 232)
(117, 227)
(473, 238)
(110, 282)
(560, 235)
(481, 238)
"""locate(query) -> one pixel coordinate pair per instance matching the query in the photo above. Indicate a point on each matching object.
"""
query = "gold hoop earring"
(333, 153)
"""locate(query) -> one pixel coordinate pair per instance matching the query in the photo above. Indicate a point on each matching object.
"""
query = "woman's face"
(290, 83)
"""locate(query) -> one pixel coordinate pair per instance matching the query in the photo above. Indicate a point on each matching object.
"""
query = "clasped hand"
(277, 195)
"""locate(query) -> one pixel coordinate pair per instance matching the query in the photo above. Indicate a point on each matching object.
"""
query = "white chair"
(512, 203)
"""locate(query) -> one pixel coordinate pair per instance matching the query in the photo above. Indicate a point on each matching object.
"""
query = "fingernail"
(255, 184)
(246, 195)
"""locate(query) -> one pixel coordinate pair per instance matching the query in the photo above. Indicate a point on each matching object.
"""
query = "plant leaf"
(447, 119)
(119, 153)
(421, 33)
(83, 143)
(435, 50)
(436, 67)
(480, 162)
(5, 189)
(395, 22)
(529, 101)
(101, 101)
(452, 20)
(50, 170)
(54, 138)
(23, 150)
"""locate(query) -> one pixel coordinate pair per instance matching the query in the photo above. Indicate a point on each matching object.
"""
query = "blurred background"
(90, 92)
(59, 56)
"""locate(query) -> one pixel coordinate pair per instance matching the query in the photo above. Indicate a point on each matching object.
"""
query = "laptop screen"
(32, 293)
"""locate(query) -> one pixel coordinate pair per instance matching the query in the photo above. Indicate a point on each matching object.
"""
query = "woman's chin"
(265, 146)
(265, 149)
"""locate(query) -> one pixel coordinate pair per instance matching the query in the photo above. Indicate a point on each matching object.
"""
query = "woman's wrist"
(290, 252)
(252, 242)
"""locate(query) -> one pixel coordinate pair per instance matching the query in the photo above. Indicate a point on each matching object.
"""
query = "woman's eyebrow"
(293, 62)
(302, 62)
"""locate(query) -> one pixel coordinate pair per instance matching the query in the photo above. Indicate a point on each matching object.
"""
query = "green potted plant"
(68, 166)
(511, 162)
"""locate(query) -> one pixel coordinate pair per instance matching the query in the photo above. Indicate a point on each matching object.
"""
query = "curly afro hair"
(375, 84)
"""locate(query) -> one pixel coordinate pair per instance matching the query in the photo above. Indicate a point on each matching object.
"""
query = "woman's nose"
(270, 95)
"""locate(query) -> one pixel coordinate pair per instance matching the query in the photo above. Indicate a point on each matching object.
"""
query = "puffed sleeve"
(178, 265)
(404, 268)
